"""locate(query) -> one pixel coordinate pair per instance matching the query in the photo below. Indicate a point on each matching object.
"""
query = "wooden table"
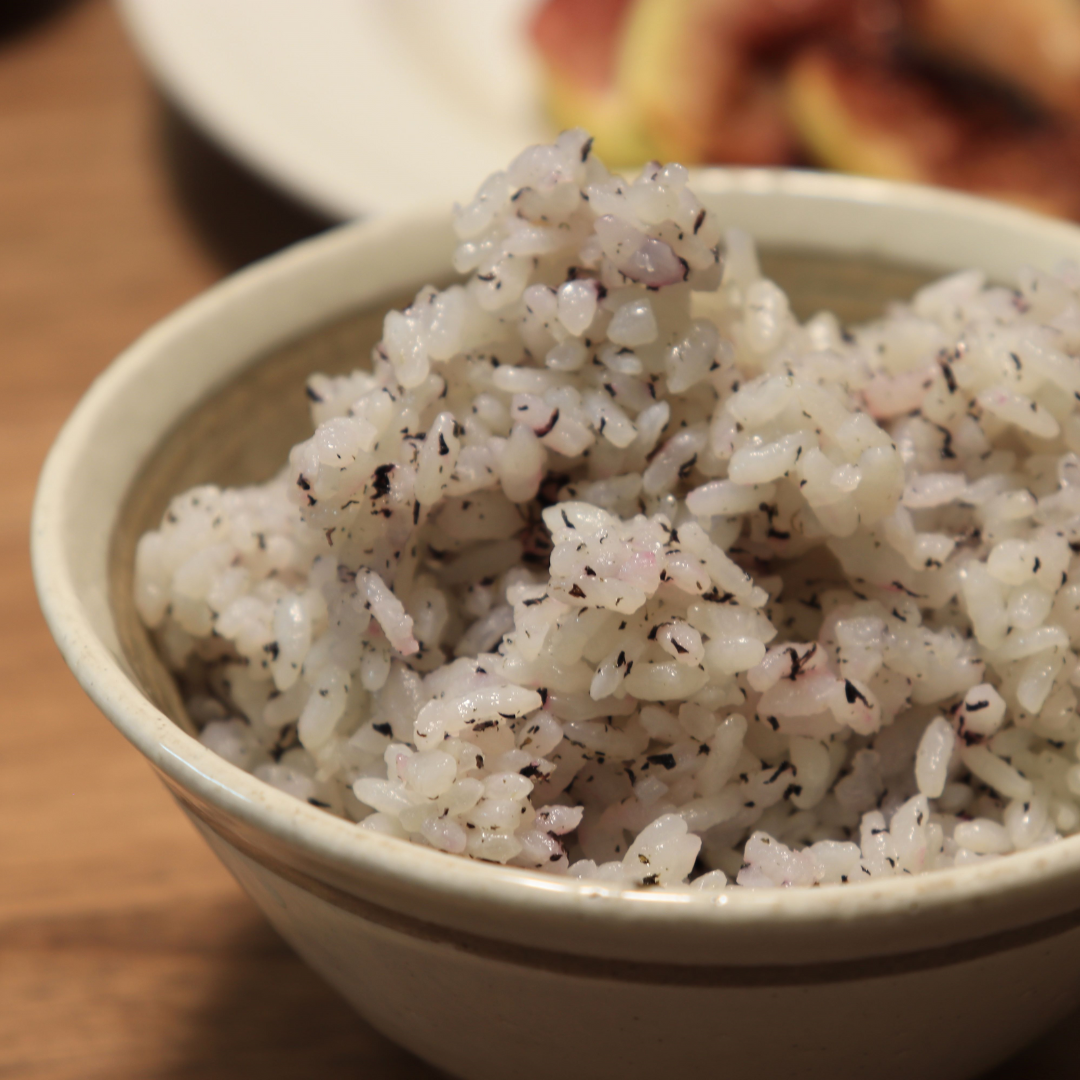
(126, 951)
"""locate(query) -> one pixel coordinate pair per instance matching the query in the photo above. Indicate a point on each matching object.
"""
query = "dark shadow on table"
(1056, 1056)
(21, 16)
(238, 216)
(271, 1018)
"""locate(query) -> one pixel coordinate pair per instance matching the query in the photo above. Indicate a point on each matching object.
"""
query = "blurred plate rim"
(352, 107)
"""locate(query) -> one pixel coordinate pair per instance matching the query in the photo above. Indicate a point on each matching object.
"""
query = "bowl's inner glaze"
(243, 432)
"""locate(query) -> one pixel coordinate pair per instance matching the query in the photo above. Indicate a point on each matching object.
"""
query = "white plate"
(352, 106)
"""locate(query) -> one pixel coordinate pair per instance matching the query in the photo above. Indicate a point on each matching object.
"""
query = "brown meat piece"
(1033, 45)
(861, 115)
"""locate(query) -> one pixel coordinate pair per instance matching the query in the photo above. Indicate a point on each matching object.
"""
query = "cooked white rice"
(609, 567)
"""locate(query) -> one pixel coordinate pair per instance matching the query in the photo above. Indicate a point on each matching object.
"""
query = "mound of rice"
(606, 566)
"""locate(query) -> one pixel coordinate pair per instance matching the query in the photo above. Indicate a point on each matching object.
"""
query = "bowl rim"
(422, 872)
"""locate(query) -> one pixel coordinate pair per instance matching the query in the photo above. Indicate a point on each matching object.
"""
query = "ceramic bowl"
(486, 971)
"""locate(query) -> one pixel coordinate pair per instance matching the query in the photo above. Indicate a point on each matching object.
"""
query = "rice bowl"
(390, 922)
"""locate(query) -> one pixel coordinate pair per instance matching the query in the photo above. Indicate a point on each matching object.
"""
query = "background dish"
(346, 104)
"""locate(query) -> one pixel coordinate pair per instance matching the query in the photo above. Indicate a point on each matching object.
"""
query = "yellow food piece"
(618, 136)
(659, 72)
(681, 91)
(834, 134)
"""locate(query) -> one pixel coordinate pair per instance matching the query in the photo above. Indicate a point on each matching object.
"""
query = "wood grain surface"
(126, 951)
